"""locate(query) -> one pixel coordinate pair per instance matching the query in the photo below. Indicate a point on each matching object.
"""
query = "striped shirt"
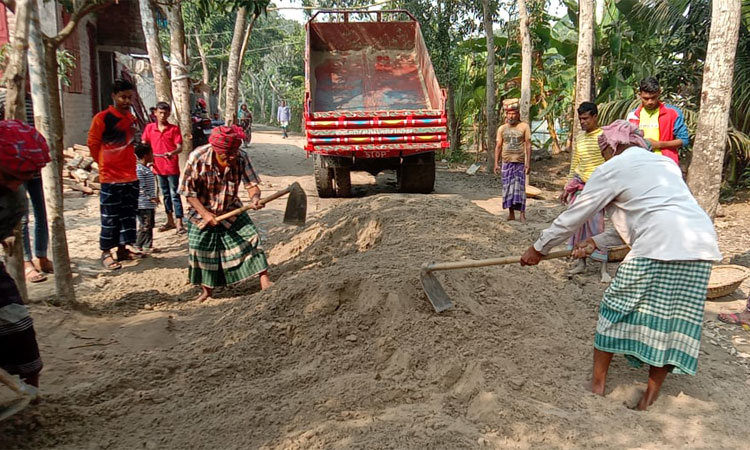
(587, 156)
(146, 187)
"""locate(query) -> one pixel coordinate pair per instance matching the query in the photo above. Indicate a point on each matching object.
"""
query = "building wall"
(76, 100)
(79, 99)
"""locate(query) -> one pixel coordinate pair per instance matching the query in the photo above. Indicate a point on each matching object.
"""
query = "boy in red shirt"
(111, 141)
(166, 141)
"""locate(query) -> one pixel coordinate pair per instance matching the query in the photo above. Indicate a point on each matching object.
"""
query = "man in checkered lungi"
(223, 252)
(653, 311)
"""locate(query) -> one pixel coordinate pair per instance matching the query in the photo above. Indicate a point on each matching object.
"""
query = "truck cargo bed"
(368, 80)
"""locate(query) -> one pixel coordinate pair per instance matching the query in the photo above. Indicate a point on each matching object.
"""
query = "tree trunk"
(274, 108)
(584, 56)
(454, 122)
(180, 78)
(15, 78)
(245, 40)
(525, 106)
(15, 70)
(704, 177)
(490, 82)
(52, 172)
(155, 55)
(221, 88)
(234, 65)
(206, 75)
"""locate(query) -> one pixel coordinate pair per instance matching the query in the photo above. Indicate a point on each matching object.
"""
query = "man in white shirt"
(653, 310)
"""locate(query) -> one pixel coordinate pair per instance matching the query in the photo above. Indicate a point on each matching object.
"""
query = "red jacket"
(671, 126)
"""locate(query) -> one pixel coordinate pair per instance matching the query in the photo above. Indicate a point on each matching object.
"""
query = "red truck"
(372, 101)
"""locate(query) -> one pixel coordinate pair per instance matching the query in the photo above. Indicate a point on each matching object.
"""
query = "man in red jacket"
(663, 125)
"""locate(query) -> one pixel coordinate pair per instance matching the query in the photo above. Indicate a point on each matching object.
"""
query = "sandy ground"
(345, 351)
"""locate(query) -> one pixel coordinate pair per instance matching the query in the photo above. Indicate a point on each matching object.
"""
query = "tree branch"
(88, 7)
(10, 5)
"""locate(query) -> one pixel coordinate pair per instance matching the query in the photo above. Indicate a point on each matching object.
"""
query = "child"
(111, 140)
(147, 199)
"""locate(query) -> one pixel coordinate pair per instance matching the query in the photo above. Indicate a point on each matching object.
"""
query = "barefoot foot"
(204, 295)
(265, 282)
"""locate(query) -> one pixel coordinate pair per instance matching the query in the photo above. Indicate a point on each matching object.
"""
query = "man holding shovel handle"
(222, 250)
(653, 311)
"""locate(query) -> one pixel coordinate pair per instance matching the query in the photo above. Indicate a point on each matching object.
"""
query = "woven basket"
(618, 253)
(725, 280)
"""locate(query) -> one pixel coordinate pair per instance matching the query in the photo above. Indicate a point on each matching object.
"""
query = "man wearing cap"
(514, 150)
(223, 252)
(23, 152)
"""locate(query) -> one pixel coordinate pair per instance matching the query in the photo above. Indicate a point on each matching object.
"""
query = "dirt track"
(345, 351)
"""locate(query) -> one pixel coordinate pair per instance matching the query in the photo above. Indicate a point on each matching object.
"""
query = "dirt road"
(345, 351)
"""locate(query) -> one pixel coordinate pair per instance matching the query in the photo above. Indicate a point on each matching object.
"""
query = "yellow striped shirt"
(586, 156)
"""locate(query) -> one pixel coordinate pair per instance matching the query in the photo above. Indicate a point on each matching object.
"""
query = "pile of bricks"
(80, 172)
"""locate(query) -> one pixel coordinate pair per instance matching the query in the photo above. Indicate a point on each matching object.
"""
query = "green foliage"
(206, 8)
(65, 62)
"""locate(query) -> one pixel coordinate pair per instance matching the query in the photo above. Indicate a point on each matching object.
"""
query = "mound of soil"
(345, 352)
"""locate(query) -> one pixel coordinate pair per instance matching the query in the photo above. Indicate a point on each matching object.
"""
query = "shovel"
(26, 393)
(435, 292)
(296, 205)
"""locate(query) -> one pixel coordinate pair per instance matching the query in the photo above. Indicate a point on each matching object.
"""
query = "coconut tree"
(487, 14)
(585, 53)
(704, 177)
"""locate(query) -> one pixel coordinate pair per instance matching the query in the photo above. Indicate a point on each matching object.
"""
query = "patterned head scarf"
(621, 132)
(22, 148)
(225, 140)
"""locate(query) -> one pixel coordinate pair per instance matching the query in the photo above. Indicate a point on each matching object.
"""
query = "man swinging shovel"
(224, 246)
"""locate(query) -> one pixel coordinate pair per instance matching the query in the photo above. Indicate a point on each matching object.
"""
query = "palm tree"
(491, 100)
(525, 61)
(585, 53)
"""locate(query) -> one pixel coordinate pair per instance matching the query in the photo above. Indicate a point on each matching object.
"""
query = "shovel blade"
(13, 407)
(435, 292)
(296, 206)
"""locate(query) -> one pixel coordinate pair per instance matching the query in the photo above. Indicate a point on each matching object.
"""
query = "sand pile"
(346, 352)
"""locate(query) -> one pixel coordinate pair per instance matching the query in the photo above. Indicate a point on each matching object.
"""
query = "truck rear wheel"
(417, 174)
(342, 179)
(323, 178)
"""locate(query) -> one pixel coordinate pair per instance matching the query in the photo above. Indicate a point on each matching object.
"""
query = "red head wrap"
(22, 148)
(224, 140)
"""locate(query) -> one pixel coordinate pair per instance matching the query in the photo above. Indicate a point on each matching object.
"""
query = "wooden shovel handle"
(429, 267)
(263, 201)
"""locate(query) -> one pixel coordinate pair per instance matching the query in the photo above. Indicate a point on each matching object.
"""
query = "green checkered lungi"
(653, 313)
(219, 256)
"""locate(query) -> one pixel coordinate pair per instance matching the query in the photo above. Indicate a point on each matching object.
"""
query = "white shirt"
(651, 208)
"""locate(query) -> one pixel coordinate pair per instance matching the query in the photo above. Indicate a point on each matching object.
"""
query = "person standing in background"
(166, 141)
(111, 142)
(586, 157)
(514, 150)
(663, 125)
(284, 115)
